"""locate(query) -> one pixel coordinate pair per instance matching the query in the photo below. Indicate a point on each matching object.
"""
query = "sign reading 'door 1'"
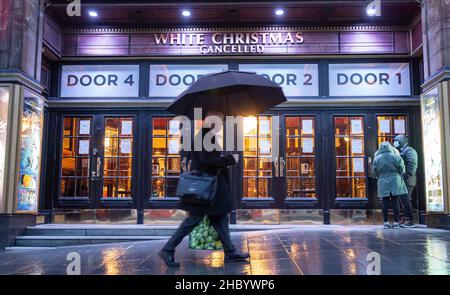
(100, 81)
(171, 80)
(297, 80)
(371, 79)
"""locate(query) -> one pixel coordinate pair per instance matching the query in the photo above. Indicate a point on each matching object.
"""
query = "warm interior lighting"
(107, 143)
(250, 125)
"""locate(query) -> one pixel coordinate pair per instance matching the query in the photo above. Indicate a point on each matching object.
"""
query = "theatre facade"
(113, 152)
(110, 153)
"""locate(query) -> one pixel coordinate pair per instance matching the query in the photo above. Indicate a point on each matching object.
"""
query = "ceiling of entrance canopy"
(226, 13)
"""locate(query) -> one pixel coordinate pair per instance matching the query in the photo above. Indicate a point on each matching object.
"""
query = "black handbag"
(197, 188)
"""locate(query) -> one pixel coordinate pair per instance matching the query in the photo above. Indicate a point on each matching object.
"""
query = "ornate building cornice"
(362, 28)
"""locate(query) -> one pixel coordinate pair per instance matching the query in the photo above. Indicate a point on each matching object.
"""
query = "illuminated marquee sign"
(230, 42)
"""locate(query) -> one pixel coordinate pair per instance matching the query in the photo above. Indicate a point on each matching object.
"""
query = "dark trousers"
(405, 200)
(387, 201)
(219, 222)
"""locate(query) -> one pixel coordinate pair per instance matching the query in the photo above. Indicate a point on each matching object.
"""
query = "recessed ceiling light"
(279, 12)
(93, 13)
(186, 13)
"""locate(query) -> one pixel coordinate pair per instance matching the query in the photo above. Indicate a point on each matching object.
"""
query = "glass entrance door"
(271, 177)
(258, 167)
(350, 159)
(356, 139)
(115, 173)
(96, 161)
(166, 160)
(301, 156)
(75, 159)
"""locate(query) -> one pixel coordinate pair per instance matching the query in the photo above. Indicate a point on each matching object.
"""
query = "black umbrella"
(231, 92)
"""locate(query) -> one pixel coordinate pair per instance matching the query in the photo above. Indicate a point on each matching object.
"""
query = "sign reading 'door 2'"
(171, 80)
(371, 79)
(100, 81)
(295, 79)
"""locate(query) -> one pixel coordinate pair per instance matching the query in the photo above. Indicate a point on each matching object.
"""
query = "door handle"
(99, 167)
(94, 173)
(282, 166)
(369, 167)
(275, 164)
(183, 165)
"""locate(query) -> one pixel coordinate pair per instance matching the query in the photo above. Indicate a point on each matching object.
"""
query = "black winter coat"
(409, 156)
(211, 163)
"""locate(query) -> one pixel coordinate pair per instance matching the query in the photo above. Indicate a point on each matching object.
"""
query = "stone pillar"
(435, 110)
(21, 27)
(21, 31)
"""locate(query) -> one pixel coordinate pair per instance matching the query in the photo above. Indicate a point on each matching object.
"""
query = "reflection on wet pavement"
(303, 250)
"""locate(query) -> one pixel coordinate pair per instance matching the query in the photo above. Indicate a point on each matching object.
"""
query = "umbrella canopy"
(231, 92)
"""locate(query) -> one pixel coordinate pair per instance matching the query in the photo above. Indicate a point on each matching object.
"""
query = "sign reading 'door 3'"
(171, 80)
(297, 80)
(369, 79)
(100, 81)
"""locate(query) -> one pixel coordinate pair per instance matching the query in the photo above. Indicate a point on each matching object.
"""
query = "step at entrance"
(60, 241)
(71, 235)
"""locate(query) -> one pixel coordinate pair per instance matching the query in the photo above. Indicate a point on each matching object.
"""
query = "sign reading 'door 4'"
(100, 81)
(297, 80)
(172, 80)
(370, 79)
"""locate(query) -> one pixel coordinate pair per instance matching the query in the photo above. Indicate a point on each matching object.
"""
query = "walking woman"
(388, 168)
(211, 163)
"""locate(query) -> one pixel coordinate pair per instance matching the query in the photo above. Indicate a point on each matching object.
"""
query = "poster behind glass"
(4, 102)
(30, 153)
(432, 151)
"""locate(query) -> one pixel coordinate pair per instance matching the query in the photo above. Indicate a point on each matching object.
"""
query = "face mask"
(396, 144)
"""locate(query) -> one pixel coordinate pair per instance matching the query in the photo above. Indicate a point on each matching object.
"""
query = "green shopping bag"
(204, 237)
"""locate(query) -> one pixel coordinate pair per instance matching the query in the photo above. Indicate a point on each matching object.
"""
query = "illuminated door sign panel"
(297, 80)
(431, 125)
(172, 80)
(100, 81)
(371, 79)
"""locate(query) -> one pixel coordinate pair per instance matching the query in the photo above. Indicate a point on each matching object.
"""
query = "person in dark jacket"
(409, 156)
(388, 168)
(211, 163)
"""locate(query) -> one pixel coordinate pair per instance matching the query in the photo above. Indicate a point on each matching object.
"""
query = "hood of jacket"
(385, 147)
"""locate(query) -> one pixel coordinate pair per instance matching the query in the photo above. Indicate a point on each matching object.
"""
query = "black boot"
(168, 258)
(236, 256)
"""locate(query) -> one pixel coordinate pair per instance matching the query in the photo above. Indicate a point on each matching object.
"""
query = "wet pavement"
(306, 250)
